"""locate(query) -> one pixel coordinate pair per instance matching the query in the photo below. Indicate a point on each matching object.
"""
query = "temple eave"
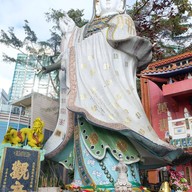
(178, 88)
(168, 73)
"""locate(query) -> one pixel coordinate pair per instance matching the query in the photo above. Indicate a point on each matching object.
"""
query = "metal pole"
(9, 118)
(19, 119)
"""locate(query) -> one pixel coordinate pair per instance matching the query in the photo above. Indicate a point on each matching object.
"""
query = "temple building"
(22, 112)
(166, 92)
(3, 97)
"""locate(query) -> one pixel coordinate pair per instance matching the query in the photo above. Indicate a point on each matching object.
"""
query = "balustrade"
(180, 130)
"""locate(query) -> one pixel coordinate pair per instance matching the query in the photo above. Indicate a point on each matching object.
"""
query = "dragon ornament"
(12, 137)
(32, 136)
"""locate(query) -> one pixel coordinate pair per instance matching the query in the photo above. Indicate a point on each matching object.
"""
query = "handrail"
(180, 128)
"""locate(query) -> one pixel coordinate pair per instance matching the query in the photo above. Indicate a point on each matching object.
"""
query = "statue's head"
(103, 8)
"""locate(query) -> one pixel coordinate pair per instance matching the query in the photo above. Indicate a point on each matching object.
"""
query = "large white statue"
(99, 104)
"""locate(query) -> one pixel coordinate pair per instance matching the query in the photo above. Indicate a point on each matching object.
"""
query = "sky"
(14, 12)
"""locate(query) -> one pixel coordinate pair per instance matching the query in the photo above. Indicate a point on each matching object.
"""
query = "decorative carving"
(186, 113)
(169, 115)
(122, 184)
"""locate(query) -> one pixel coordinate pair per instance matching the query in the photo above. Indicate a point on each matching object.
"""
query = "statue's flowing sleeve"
(121, 34)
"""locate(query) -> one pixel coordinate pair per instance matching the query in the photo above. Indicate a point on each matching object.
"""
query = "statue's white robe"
(100, 79)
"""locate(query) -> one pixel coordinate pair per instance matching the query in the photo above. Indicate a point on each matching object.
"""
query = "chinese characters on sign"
(18, 187)
(20, 170)
(163, 124)
(162, 109)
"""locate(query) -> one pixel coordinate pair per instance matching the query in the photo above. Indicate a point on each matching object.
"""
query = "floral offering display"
(177, 181)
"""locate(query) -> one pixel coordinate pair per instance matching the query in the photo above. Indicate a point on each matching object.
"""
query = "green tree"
(161, 21)
(43, 52)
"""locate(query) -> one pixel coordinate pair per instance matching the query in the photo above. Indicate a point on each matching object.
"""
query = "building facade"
(166, 89)
(26, 82)
(3, 97)
(26, 79)
(24, 111)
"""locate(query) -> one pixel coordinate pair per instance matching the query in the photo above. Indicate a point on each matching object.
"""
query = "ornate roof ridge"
(171, 59)
(174, 67)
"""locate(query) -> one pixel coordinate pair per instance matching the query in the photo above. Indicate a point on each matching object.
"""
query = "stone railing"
(13, 116)
(180, 130)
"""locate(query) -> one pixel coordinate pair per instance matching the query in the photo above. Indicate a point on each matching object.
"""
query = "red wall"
(158, 112)
(159, 105)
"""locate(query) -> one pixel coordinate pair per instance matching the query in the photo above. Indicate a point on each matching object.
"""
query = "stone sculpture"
(122, 184)
(101, 116)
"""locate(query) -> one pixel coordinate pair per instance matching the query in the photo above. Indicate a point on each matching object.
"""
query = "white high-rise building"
(26, 81)
(3, 97)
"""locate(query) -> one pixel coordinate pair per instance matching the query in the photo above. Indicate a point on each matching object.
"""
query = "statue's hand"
(66, 24)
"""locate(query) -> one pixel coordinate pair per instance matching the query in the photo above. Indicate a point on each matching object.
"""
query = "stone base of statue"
(122, 184)
(88, 170)
(123, 187)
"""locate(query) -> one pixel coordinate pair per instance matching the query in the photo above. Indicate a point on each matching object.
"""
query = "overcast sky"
(14, 12)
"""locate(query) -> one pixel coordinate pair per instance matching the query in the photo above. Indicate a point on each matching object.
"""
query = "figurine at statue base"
(122, 184)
